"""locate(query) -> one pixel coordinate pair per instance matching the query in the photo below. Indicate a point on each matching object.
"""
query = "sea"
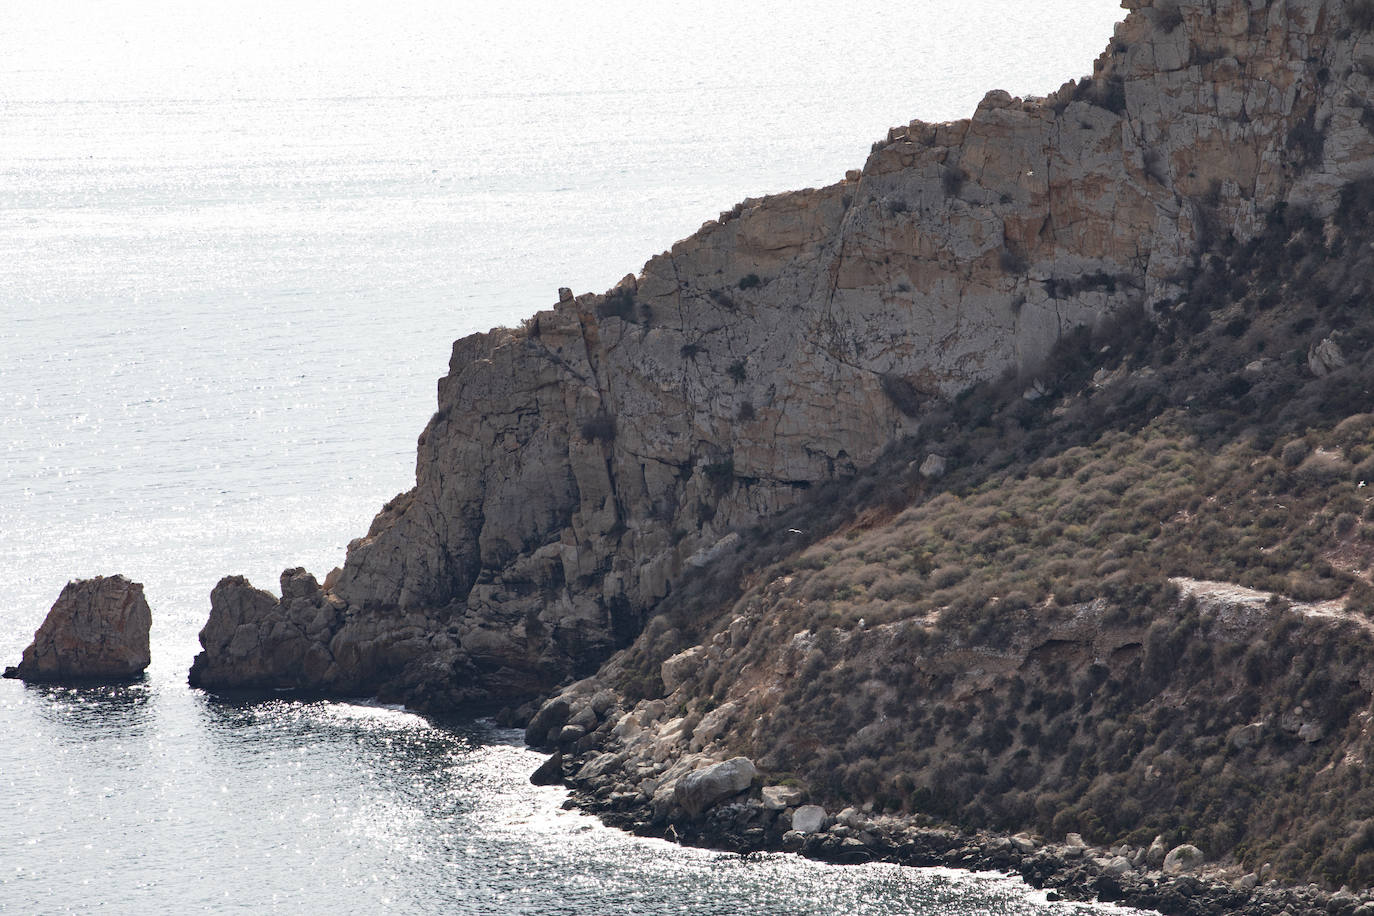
(237, 241)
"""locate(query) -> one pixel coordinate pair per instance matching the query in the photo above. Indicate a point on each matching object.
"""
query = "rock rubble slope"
(578, 464)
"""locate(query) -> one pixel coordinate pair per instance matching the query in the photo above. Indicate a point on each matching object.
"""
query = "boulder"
(1325, 357)
(1118, 866)
(808, 819)
(550, 772)
(552, 716)
(779, 798)
(933, 467)
(1154, 856)
(702, 788)
(677, 669)
(1182, 859)
(97, 630)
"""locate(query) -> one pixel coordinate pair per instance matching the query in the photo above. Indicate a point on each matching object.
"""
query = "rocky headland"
(97, 630)
(1015, 482)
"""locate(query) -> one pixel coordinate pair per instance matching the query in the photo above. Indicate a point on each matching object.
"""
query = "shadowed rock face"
(97, 630)
(578, 464)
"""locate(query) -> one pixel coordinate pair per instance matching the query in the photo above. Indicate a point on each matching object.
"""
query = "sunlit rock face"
(577, 464)
(97, 630)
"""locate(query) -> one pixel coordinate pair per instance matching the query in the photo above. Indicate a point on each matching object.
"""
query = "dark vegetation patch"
(1167, 16)
(1104, 92)
(618, 303)
(600, 427)
(953, 181)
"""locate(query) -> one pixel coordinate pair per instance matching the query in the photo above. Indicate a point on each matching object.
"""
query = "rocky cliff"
(580, 466)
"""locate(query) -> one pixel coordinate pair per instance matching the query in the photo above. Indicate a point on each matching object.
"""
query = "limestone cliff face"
(577, 464)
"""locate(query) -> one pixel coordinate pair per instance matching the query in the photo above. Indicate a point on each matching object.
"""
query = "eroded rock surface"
(578, 464)
(97, 630)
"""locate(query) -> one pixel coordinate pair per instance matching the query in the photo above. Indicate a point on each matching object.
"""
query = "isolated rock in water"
(97, 630)
(701, 789)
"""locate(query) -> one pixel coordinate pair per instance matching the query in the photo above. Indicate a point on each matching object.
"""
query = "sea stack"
(97, 630)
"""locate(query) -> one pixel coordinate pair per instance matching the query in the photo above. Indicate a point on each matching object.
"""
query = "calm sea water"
(236, 242)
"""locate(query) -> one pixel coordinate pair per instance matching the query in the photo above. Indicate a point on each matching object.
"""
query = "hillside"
(1016, 481)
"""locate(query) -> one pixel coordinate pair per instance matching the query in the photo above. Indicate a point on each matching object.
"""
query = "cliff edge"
(579, 466)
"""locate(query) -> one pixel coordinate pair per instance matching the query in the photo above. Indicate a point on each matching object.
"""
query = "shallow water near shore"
(235, 247)
(175, 800)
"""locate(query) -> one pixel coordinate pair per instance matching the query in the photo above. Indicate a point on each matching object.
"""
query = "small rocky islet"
(97, 630)
(1001, 505)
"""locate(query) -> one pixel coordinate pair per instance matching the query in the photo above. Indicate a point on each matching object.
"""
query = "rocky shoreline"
(759, 819)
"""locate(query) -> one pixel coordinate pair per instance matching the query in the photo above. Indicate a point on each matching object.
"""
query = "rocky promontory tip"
(97, 630)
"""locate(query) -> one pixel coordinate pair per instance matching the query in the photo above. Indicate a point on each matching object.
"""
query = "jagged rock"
(779, 798)
(677, 669)
(570, 734)
(708, 555)
(551, 716)
(1325, 357)
(1182, 859)
(1118, 866)
(96, 630)
(1154, 856)
(933, 467)
(702, 788)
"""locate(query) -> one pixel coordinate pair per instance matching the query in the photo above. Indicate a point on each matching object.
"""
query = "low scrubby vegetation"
(927, 635)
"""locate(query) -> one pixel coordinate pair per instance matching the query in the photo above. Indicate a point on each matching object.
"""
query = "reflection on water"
(96, 711)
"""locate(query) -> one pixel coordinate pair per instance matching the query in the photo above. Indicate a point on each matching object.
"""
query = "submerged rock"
(97, 630)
